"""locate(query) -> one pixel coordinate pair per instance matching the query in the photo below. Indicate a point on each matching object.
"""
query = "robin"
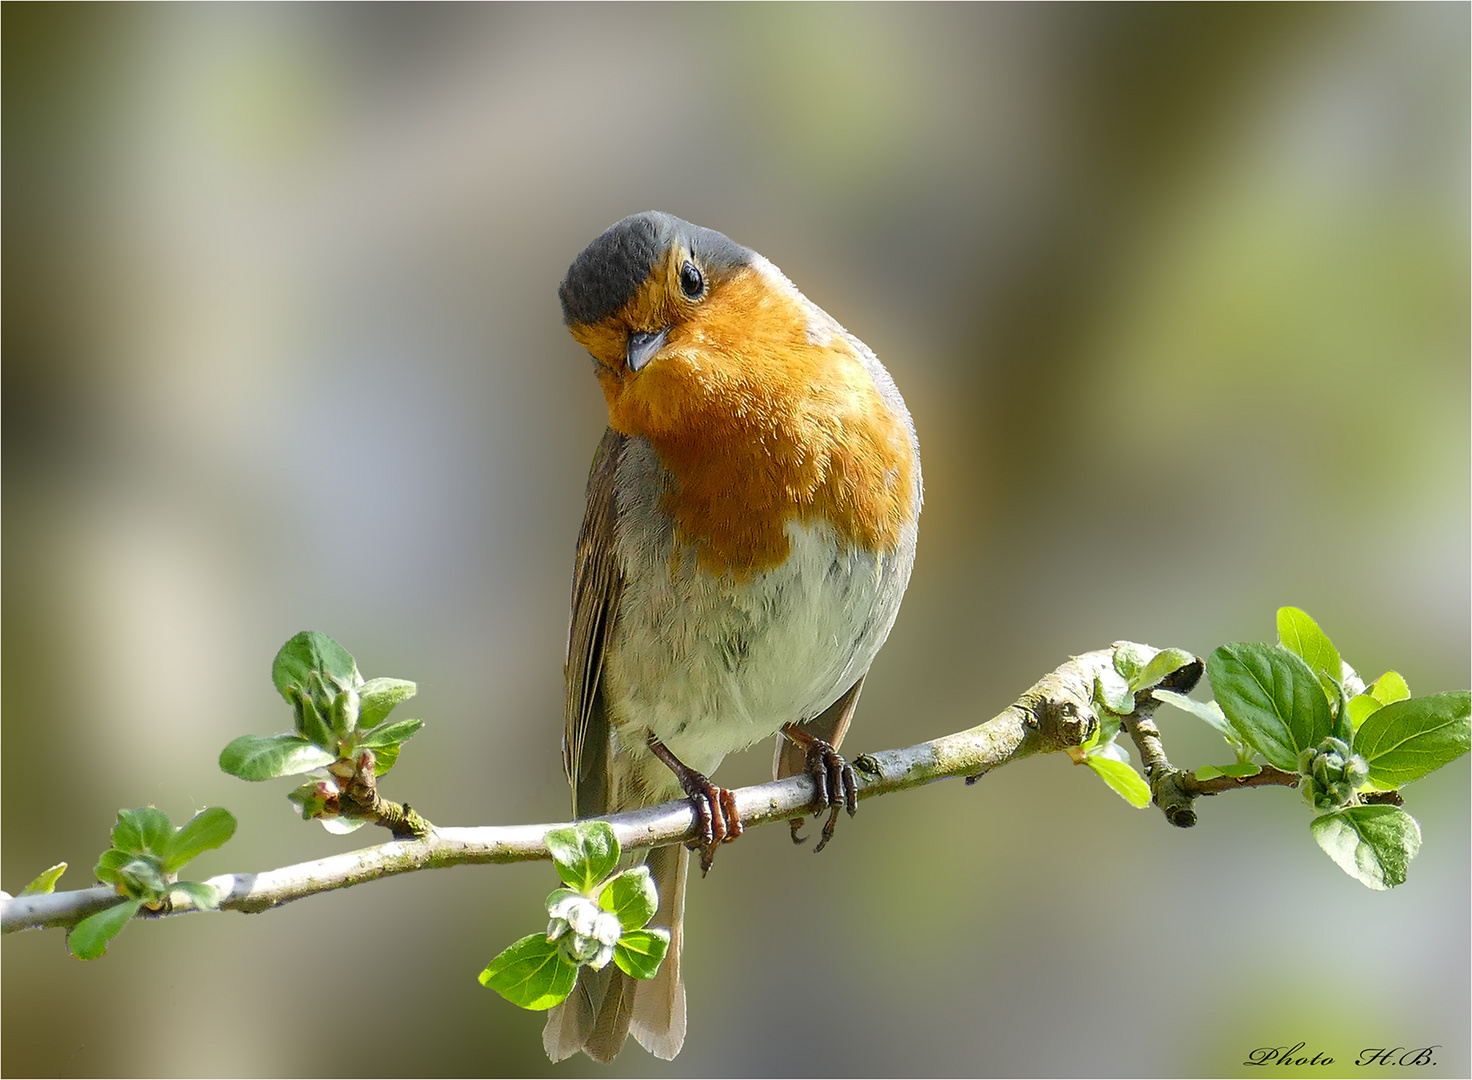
(749, 534)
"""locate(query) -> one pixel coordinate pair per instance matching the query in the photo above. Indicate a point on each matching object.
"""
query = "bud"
(1330, 774)
(584, 932)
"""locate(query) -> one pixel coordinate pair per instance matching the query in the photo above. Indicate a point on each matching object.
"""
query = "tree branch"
(1054, 714)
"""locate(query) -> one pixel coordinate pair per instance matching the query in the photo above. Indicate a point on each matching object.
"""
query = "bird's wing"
(596, 585)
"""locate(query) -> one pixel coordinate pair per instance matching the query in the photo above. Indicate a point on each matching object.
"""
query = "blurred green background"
(1178, 297)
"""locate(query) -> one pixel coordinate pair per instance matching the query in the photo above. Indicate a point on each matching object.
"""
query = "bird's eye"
(691, 283)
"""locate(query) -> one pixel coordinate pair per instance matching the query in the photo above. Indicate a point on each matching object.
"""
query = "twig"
(1054, 714)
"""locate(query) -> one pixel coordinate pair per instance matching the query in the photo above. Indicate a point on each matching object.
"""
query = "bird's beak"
(642, 347)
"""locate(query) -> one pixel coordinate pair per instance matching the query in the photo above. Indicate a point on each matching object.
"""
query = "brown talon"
(828, 827)
(716, 815)
(836, 782)
(794, 824)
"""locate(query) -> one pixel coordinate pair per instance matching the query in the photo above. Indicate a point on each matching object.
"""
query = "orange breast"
(761, 425)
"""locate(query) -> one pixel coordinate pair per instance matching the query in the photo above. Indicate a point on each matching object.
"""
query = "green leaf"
(1361, 707)
(109, 864)
(312, 651)
(1389, 687)
(1129, 659)
(1208, 711)
(632, 897)
(1339, 716)
(44, 882)
(1127, 783)
(1162, 665)
(265, 757)
(384, 758)
(1301, 636)
(584, 854)
(147, 829)
(379, 696)
(142, 876)
(639, 952)
(1371, 843)
(1275, 703)
(1407, 739)
(88, 939)
(307, 716)
(389, 734)
(344, 713)
(207, 830)
(1241, 771)
(1114, 692)
(531, 974)
(205, 897)
(341, 826)
(311, 798)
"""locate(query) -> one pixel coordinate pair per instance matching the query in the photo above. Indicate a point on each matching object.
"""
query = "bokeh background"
(1178, 297)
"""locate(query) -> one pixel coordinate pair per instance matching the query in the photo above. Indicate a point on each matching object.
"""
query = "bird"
(752, 512)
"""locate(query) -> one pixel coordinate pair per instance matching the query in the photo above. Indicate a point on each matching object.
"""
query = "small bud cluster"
(585, 933)
(1331, 773)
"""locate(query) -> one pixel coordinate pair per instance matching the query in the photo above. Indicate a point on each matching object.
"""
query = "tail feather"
(659, 1004)
(607, 1005)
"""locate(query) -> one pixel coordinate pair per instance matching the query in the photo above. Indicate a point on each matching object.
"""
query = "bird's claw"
(716, 816)
(837, 784)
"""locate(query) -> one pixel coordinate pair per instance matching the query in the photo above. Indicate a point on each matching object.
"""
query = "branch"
(1054, 714)
(1176, 790)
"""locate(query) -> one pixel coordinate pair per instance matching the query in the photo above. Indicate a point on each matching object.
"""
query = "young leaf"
(312, 651)
(384, 758)
(142, 877)
(389, 734)
(313, 797)
(1127, 783)
(147, 829)
(341, 826)
(207, 830)
(1208, 711)
(1300, 635)
(1111, 688)
(203, 896)
(265, 757)
(44, 882)
(632, 897)
(88, 939)
(1371, 843)
(344, 712)
(307, 715)
(109, 864)
(1361, 707)
(379, 696)
(1165, 663)
(639, 952)
(531, 974)
(1129, 659)
(1405, 740)
(1389, 687)
(584, 854)
(1241, 771)
(1276, 704)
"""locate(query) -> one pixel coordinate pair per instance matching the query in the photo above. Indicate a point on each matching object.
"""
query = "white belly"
(711, 666)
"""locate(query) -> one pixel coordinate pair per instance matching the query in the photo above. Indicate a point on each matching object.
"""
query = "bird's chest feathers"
(712, 665)
(763, 414)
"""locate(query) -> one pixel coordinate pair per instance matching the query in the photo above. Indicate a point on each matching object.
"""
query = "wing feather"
(596, 586)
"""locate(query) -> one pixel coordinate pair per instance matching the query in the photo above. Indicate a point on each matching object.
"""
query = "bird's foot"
(838, 787)
(715, 807)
